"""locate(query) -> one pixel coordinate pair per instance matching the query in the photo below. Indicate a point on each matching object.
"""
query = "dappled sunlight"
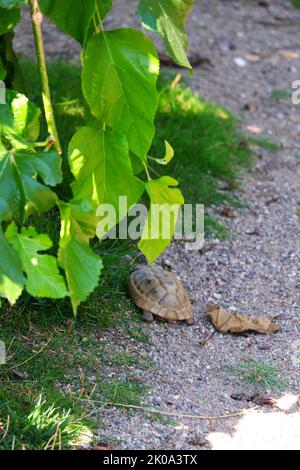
(53, 427)
(153, 65)
(263, 430)
(286, 402)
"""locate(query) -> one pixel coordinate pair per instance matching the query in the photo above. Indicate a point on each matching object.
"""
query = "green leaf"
(19, 188)
(158, 231)
(138, 166)
(11, 276)
(2, 72)
(42, 274)
(25, 114)
(99, 160)
(169, 154)
(14, 77)
(104, 6)
(71, 16)
(8, 19)
(81, 265)
(168, 18)
(119, 76)
(4, 210)
(19, 120)
(11, 3)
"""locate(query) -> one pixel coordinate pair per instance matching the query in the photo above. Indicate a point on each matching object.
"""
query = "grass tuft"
(258, 374)
(53, 428)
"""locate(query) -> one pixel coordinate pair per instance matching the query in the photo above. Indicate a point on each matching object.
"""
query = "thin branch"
(37, 19)
(170, 413)
(31, 357)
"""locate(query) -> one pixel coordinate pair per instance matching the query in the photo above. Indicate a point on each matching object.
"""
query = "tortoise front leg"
(147, 316)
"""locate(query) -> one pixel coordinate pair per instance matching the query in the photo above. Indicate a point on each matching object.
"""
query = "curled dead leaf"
(227, 322)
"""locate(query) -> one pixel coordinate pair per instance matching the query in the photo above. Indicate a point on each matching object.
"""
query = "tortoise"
(159, 293)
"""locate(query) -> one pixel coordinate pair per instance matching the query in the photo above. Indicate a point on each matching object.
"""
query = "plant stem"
(97, 30)
(147, 171)
(37, 19)
(99, 18)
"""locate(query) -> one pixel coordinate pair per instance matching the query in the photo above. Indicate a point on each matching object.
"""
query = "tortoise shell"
(160, 293)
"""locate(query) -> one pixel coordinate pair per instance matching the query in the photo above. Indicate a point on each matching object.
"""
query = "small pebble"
(264, 347)
(240, 62)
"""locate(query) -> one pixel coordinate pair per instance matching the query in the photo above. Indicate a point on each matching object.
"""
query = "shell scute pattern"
(160, 293)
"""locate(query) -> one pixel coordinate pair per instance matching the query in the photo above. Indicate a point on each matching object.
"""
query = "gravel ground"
(255, 272)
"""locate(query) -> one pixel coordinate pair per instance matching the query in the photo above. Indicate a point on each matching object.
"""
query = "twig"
(204, 341)
(176, 81)
(31, 357)
(170, 413)
(37, 19)
(6, 429)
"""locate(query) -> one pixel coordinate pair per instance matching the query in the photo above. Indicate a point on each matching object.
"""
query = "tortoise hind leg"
(147, 316)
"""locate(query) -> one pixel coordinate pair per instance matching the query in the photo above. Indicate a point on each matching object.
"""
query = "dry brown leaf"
(228, 322)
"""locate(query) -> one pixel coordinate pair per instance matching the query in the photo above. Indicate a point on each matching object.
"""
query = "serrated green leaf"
(8, 19)
(158, 231)
(99, 160)
(11, 3)
(81, 265)
(42, 274)
(11, 277)
(19, 119)
(73, 17)
(168, 18)
(19, 188)
(120, 70)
